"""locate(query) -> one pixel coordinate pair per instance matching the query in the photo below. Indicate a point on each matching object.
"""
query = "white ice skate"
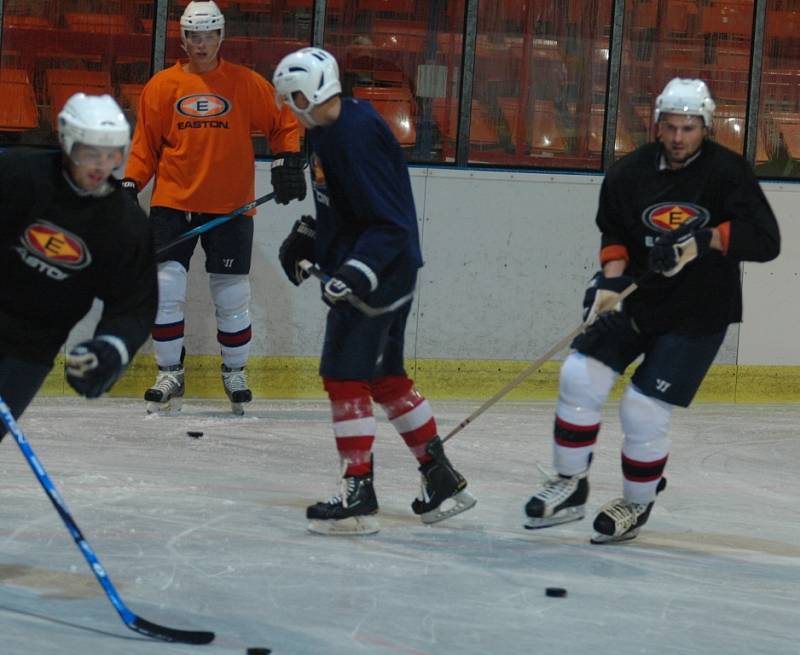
(166, 395)
(619, 520)
(235, 382)
(561, 499)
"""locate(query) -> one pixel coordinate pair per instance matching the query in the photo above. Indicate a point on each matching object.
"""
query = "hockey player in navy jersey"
(68, 235)
(683, 212)
(365, 237)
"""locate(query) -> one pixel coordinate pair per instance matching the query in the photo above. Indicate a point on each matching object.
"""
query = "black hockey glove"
(288, 177)
(129, 186)
(616, 323)
(671, 252)
(602, 294)
(347, 280)
(94, 366)
(298, 245)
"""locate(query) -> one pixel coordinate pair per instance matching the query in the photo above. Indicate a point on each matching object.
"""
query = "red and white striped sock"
(408, 411)
(353, 423)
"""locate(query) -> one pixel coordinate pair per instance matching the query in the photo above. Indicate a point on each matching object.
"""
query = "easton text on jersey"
(182, 125)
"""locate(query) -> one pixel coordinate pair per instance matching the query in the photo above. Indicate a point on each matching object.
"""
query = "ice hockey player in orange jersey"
(193, 134)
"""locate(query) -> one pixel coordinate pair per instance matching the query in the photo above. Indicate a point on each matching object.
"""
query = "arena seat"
(64, 82)
(546, 136)
(482, 132)
(99, 23)
(398, 108)
(18, 109)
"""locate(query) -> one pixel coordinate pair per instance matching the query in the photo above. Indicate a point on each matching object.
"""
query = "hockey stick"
(535, 366)
(355, 301)
(135, 623)
(214, 222)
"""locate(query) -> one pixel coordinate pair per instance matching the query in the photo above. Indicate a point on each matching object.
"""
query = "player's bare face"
(91, 166)
(202, 48)
(681, 137)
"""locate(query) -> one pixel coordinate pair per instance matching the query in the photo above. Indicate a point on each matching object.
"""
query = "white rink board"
(507, 257)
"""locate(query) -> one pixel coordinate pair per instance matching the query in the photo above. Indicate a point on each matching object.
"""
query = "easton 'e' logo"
(203, 105)
(668, 216)
(56, 246)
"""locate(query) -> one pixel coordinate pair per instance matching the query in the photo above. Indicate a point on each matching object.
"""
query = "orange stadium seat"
(64, 82)
(18, 109)
(481, 131)
(31, 22)
(129, 95)
(624, 142)
(398, 108)
(100, 23)
(545, 133)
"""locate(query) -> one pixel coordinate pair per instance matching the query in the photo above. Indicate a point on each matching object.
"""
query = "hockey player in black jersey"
(68, 235)
(677, 216)
(365, 237)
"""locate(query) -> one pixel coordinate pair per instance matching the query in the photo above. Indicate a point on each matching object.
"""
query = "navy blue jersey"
(362, 191)
(59, 251)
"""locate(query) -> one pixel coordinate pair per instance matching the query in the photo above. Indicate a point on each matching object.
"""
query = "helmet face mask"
(314, 73)
(688, 97)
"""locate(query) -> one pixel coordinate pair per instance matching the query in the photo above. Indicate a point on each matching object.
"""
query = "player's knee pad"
(171, 292)
(390, 387)
(584, 385)
(231, 296)
(645, 420)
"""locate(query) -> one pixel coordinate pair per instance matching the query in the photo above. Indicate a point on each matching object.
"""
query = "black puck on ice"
(195, 433)
(258, 651)
(555, 592)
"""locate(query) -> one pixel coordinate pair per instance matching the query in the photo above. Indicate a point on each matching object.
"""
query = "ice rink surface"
(210, 534)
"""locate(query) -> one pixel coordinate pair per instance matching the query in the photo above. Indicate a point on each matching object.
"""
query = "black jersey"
(59, 251)
(639, 202)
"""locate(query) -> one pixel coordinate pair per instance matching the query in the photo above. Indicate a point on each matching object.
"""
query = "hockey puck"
(555, 592)
(195, 433)
(258, 651)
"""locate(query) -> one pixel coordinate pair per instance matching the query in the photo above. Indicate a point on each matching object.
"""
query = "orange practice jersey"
(193, 133)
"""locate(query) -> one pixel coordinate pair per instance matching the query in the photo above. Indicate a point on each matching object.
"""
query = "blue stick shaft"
(130, 619)
(205, 227)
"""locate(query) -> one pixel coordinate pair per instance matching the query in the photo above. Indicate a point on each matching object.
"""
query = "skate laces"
(234, 380)
(554, 486)
(346, 486)
(624, 514)
(167, 382)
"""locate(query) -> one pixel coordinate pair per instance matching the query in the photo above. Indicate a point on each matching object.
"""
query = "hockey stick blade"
(214, 222)
(135, 623)
(195, 637)
(355, 301)
(536, 365)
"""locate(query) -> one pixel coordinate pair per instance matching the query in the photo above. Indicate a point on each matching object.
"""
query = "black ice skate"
(166, 394)
(235, 382)
(560, 500)
(444, 491)
(351, 513)
(619, 520)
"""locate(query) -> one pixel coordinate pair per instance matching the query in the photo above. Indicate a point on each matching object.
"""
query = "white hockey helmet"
(312, 71)
(202, 16)
(93, 121)
(688, 97)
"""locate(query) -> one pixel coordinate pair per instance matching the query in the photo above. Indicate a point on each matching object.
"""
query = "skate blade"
(599, 539)
(354, 525)
(170, 408)
(237, 408)
(567, 515)
(461, 502)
